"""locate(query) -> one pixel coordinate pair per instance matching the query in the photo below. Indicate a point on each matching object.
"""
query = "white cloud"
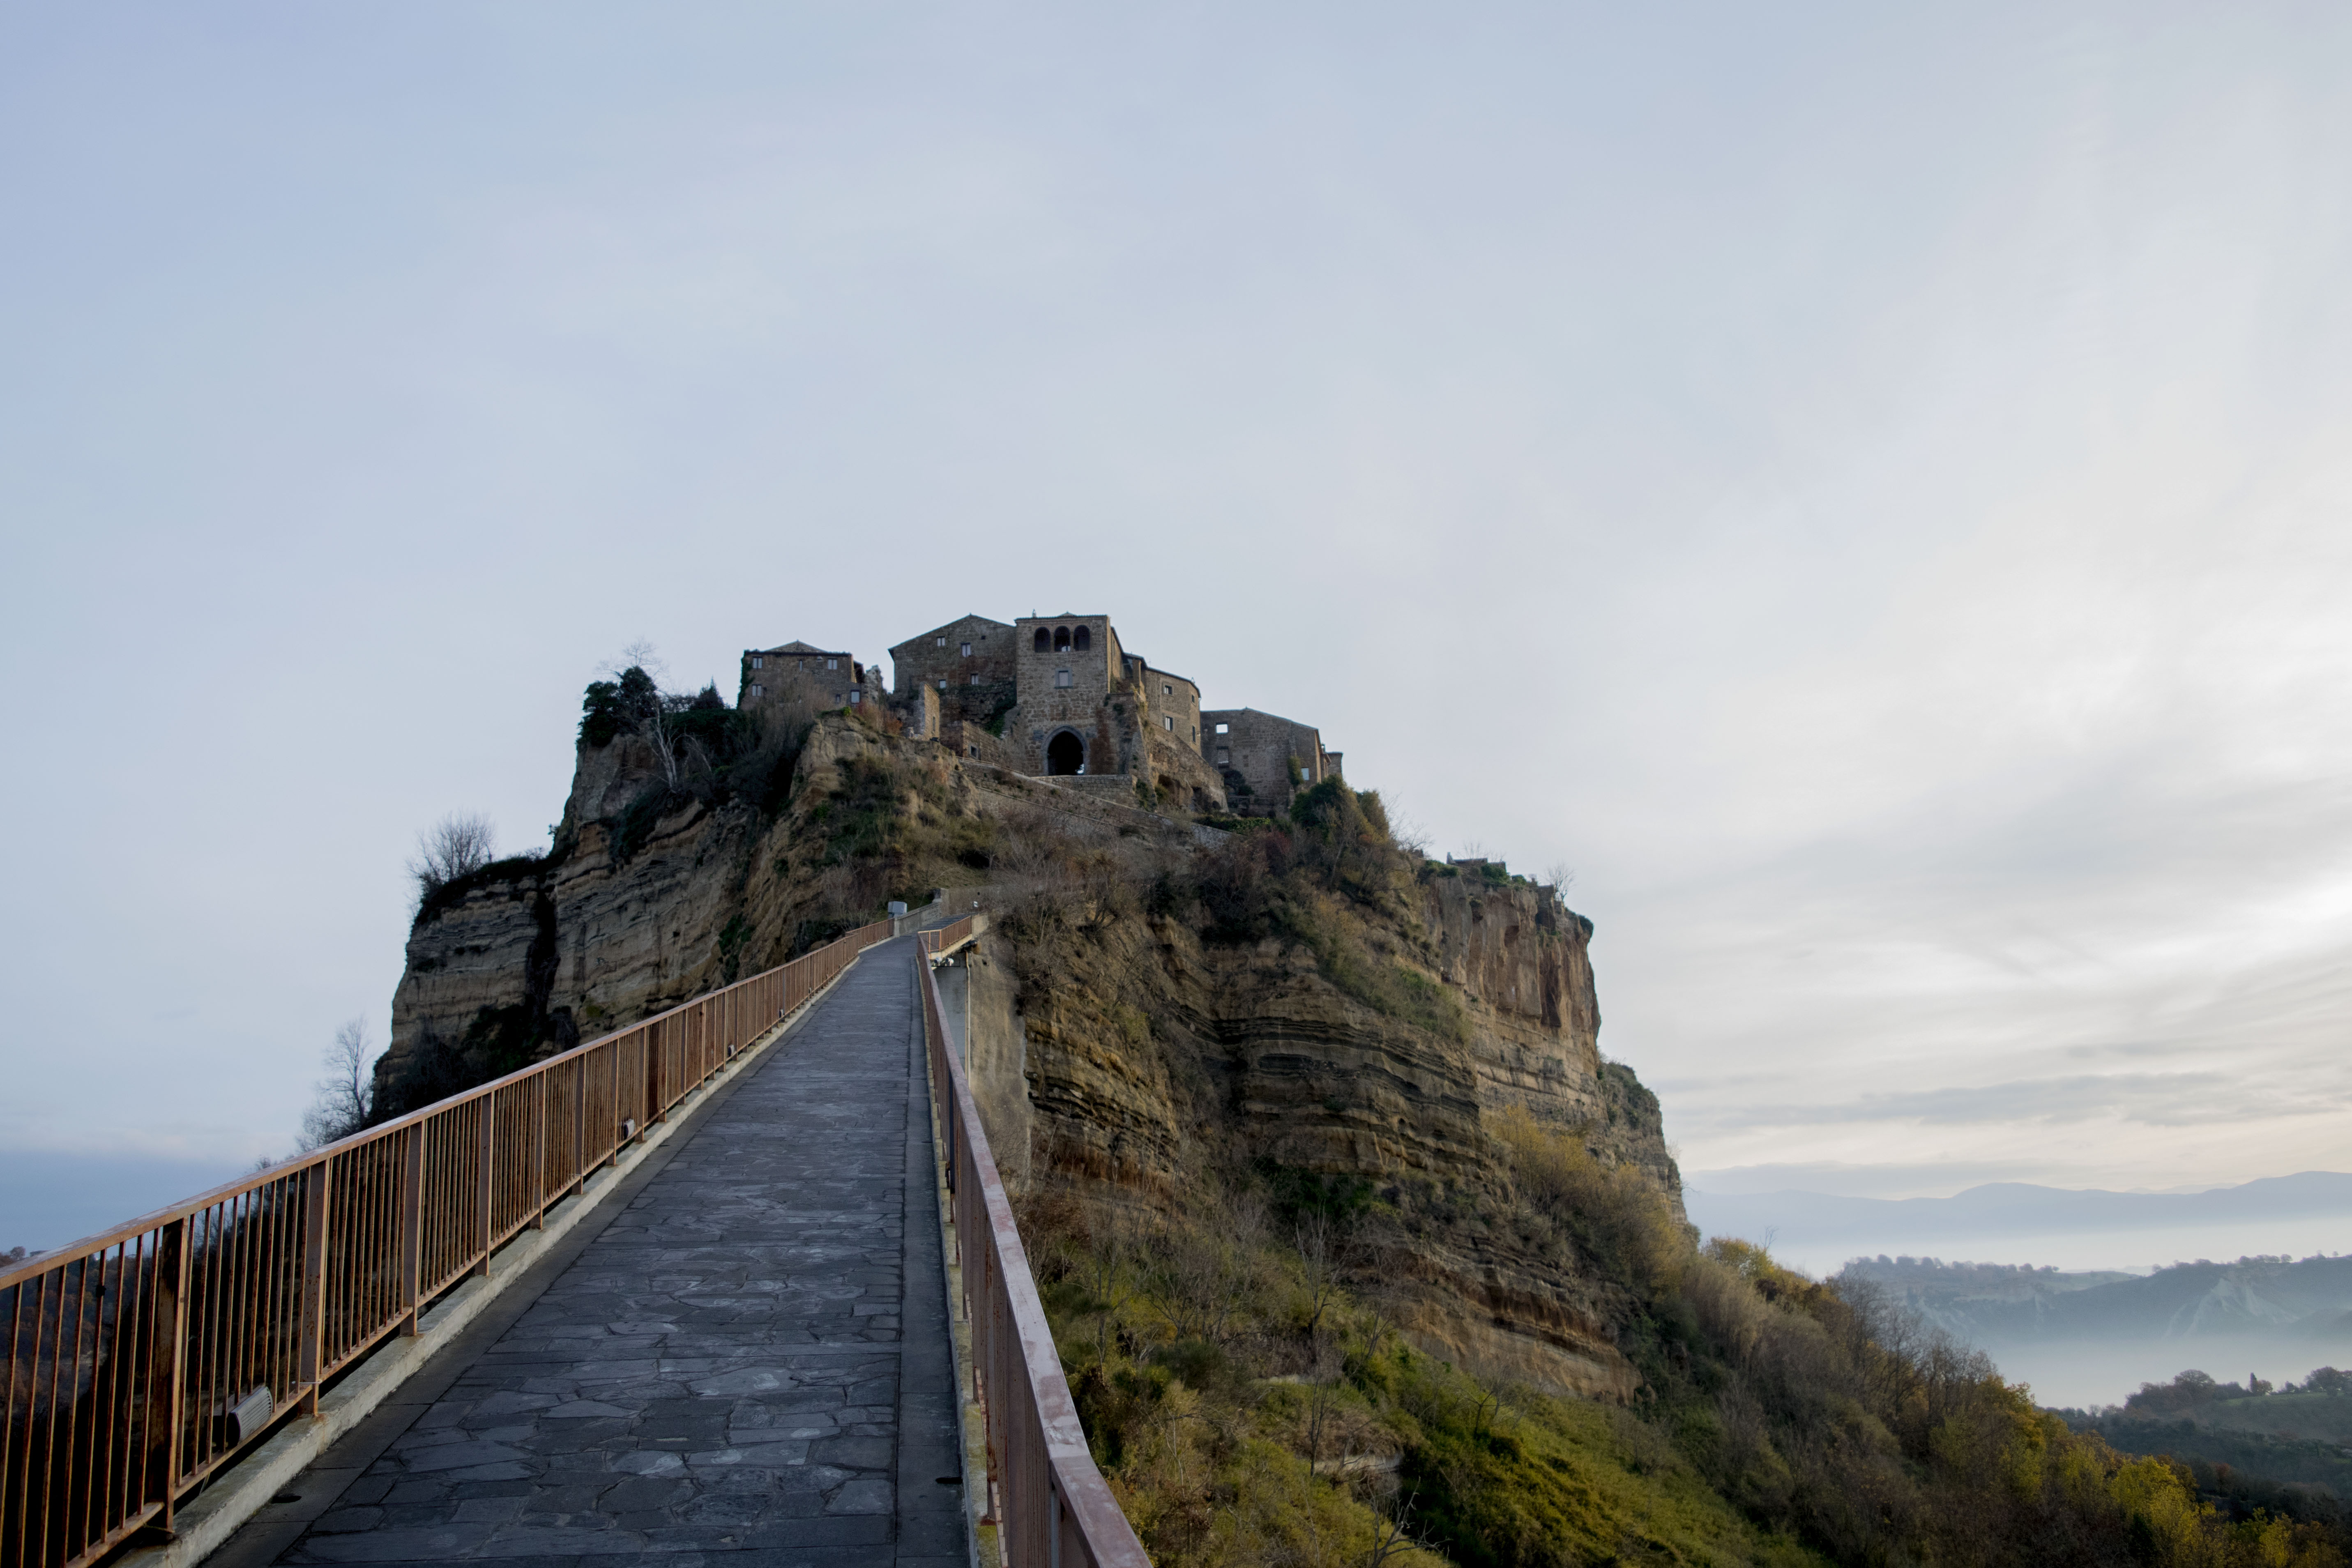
(1868, 492)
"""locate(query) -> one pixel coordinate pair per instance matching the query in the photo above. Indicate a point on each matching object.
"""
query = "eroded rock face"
(1127, 1057)
(1147, 1057)
(628, 917)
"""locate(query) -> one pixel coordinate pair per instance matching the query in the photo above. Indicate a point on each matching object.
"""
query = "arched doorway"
(1065, 753)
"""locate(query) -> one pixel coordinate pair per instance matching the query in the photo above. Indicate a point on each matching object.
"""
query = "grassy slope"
(1214, 1367)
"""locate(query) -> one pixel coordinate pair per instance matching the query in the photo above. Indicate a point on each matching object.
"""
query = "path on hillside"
(747, 1363)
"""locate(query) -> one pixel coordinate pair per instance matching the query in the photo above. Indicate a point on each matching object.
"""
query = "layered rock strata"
(1120, 1054)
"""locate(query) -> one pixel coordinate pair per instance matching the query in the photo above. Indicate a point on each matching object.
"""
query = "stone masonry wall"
(1256, 751)
(1082, 707)
(938, 655)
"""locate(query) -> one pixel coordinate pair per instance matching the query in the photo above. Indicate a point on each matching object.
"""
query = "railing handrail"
(134, 1362)
(236, 1185)
(1030, 1413)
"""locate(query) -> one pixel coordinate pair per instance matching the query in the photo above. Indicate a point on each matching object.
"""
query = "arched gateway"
(1065, 753)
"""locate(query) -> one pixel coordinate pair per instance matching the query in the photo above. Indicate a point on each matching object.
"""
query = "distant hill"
(1995, 1306)
(2015, 1209)
(2290, 1436)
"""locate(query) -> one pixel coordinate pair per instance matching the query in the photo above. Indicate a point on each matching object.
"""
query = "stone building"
(1263, 758)
(1059, 696)
(968, 666)
(803, 680)
(1089, 708)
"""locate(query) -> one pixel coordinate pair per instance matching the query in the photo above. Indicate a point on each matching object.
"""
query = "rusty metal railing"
(142, 1360)
(1052, 1506)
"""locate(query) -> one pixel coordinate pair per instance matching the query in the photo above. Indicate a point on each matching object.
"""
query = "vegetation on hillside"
(1239, 1363)
(1252, 1400)
(1251, 1403)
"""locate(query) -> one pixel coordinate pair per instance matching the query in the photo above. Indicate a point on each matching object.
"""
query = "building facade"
(1264, 759)
(1057, 696)
(799, 678)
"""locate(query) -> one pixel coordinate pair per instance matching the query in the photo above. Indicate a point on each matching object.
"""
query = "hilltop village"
(1059, 696)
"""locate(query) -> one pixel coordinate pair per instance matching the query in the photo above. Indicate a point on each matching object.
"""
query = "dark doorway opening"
(1065, 753)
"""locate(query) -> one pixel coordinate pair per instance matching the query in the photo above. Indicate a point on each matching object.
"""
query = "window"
(943, 685)
(1166, 689)
(942, 642)
(1224, 756)
(975, 679)
(755, 661)
(967, 650)
(1303, 775)
(1222, 728)
(853, 697)
(1169, 719)
(833, 664)
(1061, 639)
(1081, 639)
(1044, 640)
(758, 689)
(1061, 677)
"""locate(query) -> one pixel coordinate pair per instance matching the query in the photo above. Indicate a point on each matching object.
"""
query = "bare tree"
(1325, 1252)
(1104, 1270)
(347, 1094)
(1323, 1391)
(458, 844)
(1559, 875)
(648, 708)
(1394, 1534)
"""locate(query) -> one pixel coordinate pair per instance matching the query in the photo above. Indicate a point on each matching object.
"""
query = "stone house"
(1087, 707)
(801, 679)
(968, 666)
(1264, 759)
(1059, 696)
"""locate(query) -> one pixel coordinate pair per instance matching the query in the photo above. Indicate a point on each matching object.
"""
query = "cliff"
(1157, 1006)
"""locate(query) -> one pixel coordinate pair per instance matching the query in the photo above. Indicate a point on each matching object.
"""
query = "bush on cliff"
(1332, 880)
(707, 749)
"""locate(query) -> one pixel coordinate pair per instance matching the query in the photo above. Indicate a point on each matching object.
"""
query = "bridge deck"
(748, 1363)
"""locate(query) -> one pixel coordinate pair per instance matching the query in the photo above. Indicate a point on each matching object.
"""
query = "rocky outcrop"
(651, 895)
(1133, 1057)
(1114, 1049)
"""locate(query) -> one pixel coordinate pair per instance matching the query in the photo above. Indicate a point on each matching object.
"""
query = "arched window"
(1065, 753)
(1061, 639)
(1044, 640)
(1081, 639)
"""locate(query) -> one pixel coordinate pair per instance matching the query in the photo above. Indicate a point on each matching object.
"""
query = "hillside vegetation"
(1255, 1396)
(1356, 1250)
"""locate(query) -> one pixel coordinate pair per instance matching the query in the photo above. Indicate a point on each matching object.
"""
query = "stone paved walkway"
(750, 1363)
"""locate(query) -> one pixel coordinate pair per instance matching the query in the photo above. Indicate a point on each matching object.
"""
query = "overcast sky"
(1869, 487)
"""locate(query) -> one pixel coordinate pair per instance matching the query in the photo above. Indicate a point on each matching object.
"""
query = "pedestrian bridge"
(738, 1282)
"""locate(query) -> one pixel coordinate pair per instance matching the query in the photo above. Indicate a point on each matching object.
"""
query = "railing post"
(412, 1231)
(485, 1184)
(614, 1051)
(656, 1036)
(166, 1377)
(310, 1347)
(541, 1111)
(580, 1128)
